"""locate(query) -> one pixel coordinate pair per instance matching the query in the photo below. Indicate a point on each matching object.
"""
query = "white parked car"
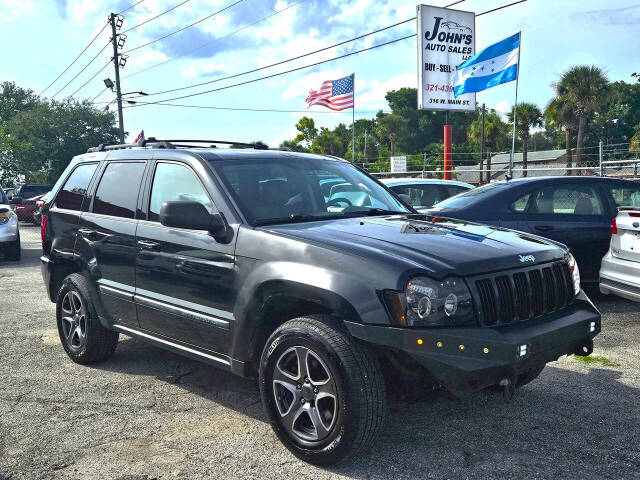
(620, 268)
(425, 192)
(9, 230)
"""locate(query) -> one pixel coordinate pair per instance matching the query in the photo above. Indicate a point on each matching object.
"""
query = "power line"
(75, 59)
(239, 109)
(215, 40)
(157, 16)
(184, 28)
(308, 54)
(280, 62)
(101, 92)
(130, 7)
(83, 69)
(92, 77)
(139, 104)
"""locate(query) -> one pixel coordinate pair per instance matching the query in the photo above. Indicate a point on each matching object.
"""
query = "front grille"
(521, 295)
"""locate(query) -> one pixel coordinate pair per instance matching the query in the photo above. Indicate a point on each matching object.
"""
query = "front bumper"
(620, 277)
(464, 360)
(9, 231)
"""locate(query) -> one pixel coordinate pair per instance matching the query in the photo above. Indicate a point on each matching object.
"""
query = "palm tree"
(495, 136)
(585, 89)
(528, 116)
(559, 114)
(391, 127)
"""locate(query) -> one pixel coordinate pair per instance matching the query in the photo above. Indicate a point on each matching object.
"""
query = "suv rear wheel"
(323, 392)
(82, 335)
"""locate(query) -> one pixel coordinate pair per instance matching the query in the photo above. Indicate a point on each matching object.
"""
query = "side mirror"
(192, 216)
(15, 200)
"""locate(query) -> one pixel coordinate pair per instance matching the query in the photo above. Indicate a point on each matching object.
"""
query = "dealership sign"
(446, 39)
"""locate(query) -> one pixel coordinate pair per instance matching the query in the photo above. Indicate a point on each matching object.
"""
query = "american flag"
(333, 94)
(139, 137)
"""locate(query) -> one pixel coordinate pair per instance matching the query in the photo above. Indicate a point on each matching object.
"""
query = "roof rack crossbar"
(153, 142)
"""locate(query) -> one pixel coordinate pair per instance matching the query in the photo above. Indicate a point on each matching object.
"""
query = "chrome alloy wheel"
(74, 321)
(305, 394)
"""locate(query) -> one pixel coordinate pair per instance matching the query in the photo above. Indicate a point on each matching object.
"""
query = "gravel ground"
(147, 413)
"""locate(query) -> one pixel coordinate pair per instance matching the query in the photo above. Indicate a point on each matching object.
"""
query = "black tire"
(13, 251)
(359, 403)
(82, 335)
(529, 376)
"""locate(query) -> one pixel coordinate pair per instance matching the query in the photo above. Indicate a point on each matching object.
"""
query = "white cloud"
(11, 10)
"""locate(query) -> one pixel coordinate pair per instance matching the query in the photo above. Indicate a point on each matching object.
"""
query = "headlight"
(4, 220)
(429, 302)
(575, 273)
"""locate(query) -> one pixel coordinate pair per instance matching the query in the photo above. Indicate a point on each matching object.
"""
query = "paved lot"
(147, 413)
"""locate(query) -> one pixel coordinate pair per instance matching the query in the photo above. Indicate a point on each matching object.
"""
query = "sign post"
(446, 39)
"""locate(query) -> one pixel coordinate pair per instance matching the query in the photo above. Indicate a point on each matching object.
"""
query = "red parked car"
(26, 208)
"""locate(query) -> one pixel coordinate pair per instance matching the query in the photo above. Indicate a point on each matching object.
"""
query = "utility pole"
(116, 63)
(482, 144)
(365, 145)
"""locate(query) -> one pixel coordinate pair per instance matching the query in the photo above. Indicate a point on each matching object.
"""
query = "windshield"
(292, 189)
(465, 199)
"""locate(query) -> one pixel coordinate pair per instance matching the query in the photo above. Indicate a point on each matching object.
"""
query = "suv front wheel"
(323, 392)
(82, 335)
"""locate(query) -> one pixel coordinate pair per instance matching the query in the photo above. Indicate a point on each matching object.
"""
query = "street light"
(108, 83)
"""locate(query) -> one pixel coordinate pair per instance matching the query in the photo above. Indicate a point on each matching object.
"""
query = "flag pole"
(515, 105)
(353, 122)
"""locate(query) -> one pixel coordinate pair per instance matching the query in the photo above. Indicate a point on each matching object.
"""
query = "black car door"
(575, 214)
(106, 238)
(184, 278)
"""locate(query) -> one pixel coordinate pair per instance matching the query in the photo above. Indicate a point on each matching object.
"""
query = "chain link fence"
(614, 160)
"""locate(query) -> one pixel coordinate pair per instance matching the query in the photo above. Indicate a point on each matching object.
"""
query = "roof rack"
(155, 143)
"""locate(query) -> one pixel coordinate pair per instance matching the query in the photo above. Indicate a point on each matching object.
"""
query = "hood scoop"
(421, 227)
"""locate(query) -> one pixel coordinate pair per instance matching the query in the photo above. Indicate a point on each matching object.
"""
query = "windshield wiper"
(375, 211)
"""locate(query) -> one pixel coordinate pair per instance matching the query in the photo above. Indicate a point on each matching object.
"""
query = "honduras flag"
(492, 66)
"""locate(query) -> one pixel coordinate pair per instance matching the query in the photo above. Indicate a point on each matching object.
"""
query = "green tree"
(308, 131)
(327, 143)
(585, 89)
(391, 127)
(40, 137)
(528, 116)
(496, 137)
(558, 114)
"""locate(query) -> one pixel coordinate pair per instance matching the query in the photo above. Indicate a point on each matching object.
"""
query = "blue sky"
(39, 38)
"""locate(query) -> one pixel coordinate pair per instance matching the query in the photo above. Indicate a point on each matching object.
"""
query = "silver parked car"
(620, 267)
(9, 230)
(425, 192)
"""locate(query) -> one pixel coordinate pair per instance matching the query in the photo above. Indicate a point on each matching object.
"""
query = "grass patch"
(596, 359)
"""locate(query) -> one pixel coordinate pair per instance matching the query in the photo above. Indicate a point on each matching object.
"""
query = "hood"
(440, 246)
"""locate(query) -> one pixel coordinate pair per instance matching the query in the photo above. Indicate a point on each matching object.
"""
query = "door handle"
(88, 233)
(148, 245)
(543, 228)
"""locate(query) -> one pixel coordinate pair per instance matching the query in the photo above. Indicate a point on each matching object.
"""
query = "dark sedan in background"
(576, 211)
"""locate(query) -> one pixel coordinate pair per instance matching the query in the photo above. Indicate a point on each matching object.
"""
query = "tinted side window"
(117, 192)
(75, 188)
(454, 190)
(624, 195)
(173, 182)
(569, 199)
(520, 204)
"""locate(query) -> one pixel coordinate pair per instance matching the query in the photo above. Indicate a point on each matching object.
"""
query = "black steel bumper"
(464, 360)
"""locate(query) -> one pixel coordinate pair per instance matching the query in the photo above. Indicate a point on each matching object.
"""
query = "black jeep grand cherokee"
(306, 271)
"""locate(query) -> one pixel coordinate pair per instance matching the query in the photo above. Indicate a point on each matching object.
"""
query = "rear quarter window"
(75, 188)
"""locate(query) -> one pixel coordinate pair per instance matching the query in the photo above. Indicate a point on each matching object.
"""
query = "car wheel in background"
(324, 393)
(82, 335)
